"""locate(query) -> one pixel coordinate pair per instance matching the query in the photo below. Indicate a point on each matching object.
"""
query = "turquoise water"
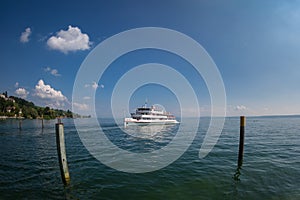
(271, 169)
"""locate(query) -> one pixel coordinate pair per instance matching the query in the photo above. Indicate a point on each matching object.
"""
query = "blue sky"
(255, 45)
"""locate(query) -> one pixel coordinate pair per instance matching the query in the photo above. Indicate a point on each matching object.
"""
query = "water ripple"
(271, 168)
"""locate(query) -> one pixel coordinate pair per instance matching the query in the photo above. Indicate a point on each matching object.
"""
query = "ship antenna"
(146, 102)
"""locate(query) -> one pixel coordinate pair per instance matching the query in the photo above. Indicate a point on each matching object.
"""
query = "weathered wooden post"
(61, 151)
(241, 148)
(42, 121)
(20, 119)
(242, 136)
(20, 123)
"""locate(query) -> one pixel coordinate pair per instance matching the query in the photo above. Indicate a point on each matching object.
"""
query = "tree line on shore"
(17, 107)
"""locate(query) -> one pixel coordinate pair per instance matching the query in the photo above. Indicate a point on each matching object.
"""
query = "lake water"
(29, 166)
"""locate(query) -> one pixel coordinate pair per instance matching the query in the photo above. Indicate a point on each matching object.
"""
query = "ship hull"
(131, 121)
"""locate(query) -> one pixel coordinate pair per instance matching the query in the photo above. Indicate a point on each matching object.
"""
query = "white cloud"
(25, 35)
(95, 85)
(47, 69)
(47, 92)
(53, 72)
(17, 84)
(22, 92)
(71, 40)
(81, 106)
(240, 108)
(52, 97)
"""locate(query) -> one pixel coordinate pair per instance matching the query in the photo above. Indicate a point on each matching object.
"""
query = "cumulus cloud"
(25, 35)
(22, 92)
(17, 84)
(70, 40)
(81, 106)
(52, 97)
(53, 72)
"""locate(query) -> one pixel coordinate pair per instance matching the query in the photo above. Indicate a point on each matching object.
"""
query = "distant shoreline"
(87, 117)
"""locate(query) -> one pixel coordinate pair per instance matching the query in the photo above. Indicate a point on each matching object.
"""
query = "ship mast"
(146, 102)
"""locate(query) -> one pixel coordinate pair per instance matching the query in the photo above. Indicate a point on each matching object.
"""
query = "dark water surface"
(271, 169)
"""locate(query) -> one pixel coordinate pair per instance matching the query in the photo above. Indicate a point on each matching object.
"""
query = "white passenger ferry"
(150, 115)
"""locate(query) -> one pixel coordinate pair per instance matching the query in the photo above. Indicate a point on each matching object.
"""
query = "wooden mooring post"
(61, 151)
(241, 148)
(20, 124)
(242, 139)
(42, 121)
